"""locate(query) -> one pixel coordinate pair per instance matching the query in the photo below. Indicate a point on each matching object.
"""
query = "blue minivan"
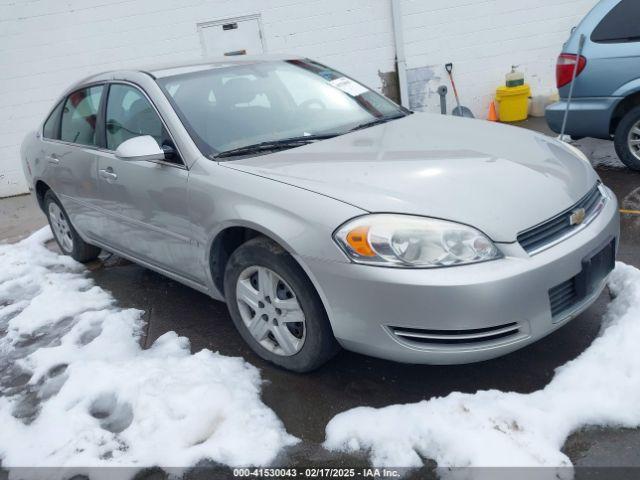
(606, 93)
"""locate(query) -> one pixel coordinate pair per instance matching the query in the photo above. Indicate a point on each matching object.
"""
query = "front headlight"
(413, 242)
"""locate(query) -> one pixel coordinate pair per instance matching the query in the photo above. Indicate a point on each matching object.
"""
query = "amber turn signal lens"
(357, 239)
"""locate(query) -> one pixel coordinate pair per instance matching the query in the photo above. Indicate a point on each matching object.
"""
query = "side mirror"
(140, 148)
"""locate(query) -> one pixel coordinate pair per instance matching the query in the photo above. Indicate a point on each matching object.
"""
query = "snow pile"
(494, 428)
(76, 389)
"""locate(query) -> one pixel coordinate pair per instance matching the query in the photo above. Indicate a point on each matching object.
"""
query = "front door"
(145, 202)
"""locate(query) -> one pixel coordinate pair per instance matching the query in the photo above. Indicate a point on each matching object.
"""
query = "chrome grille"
(448, 337)
(541, 236)
(562, 297)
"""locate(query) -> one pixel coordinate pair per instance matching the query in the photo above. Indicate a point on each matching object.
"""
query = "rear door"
(70, 145)
(145, 202)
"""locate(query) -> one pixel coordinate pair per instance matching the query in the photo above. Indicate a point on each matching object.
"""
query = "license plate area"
(595, 269)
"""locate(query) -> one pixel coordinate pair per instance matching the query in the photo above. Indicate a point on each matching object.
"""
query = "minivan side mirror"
(140, 148)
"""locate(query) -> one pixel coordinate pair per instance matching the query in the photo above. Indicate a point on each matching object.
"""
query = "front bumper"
(366, 304)
(588, 117)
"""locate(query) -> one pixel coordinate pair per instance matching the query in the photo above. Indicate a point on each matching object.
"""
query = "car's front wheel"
(65, 235)
(627, 139)
(276, 308)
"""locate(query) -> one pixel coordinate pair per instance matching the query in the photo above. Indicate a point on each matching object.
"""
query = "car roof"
(169, 69)
(166, 70)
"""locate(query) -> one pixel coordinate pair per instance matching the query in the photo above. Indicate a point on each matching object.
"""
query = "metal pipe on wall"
(401, 62)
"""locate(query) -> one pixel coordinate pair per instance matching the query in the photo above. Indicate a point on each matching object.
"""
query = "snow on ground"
(76, 389)
(494, 428)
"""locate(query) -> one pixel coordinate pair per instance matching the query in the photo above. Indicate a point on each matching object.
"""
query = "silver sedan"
(322, 213)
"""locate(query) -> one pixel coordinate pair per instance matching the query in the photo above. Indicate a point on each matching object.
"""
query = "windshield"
(234, 106)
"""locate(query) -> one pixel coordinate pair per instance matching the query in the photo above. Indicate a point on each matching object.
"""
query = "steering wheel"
(312, 101)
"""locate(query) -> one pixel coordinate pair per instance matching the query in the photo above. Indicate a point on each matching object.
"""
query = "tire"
(628, 130)
(306, 345)
(64, 234)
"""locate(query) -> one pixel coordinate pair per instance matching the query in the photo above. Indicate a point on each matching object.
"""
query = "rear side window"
(79, 116)
(50, 129)
(621, 24)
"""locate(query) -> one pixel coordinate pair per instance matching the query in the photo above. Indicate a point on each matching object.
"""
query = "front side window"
(130, 114)
(232, 106)
(50, 129)
(79, 116)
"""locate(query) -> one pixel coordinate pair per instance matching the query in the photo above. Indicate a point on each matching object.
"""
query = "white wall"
(45, 45)
(483, 38)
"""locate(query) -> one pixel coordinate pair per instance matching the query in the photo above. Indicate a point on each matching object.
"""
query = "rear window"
(621, 24)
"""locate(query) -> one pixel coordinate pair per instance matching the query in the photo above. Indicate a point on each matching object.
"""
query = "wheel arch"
(231, 236)
(625, 105)
(41, 189)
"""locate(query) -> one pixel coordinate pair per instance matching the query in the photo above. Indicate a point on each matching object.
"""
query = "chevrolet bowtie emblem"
(577, 216)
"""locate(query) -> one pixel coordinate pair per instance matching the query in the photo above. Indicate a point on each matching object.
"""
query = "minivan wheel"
(627, 139)
(275, 307)
(63, 232)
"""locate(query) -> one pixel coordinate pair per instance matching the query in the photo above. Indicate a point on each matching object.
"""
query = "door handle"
(108, 174)
(53, 159)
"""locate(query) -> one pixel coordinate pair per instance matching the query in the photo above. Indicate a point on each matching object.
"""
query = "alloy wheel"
(634, 140)
(60, 227)
(270, 311)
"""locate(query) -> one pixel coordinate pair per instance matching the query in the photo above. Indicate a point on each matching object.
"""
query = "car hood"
(497, 178)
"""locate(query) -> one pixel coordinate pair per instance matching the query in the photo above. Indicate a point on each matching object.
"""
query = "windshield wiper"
(377, 121)
(282, 144)
(273, 145)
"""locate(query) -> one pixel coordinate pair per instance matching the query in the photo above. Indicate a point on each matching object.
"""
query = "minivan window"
(50, 129)
(620, 25)
(79, 116)
(130, 114)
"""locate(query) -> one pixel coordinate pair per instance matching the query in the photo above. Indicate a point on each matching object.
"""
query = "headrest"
(237, 90)
(138, 105)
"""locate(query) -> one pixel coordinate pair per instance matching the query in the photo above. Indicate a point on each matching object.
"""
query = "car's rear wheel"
(275, 307)
(64, 234)
(627, 139)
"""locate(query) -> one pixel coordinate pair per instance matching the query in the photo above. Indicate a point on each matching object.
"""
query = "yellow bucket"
(513, 103)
